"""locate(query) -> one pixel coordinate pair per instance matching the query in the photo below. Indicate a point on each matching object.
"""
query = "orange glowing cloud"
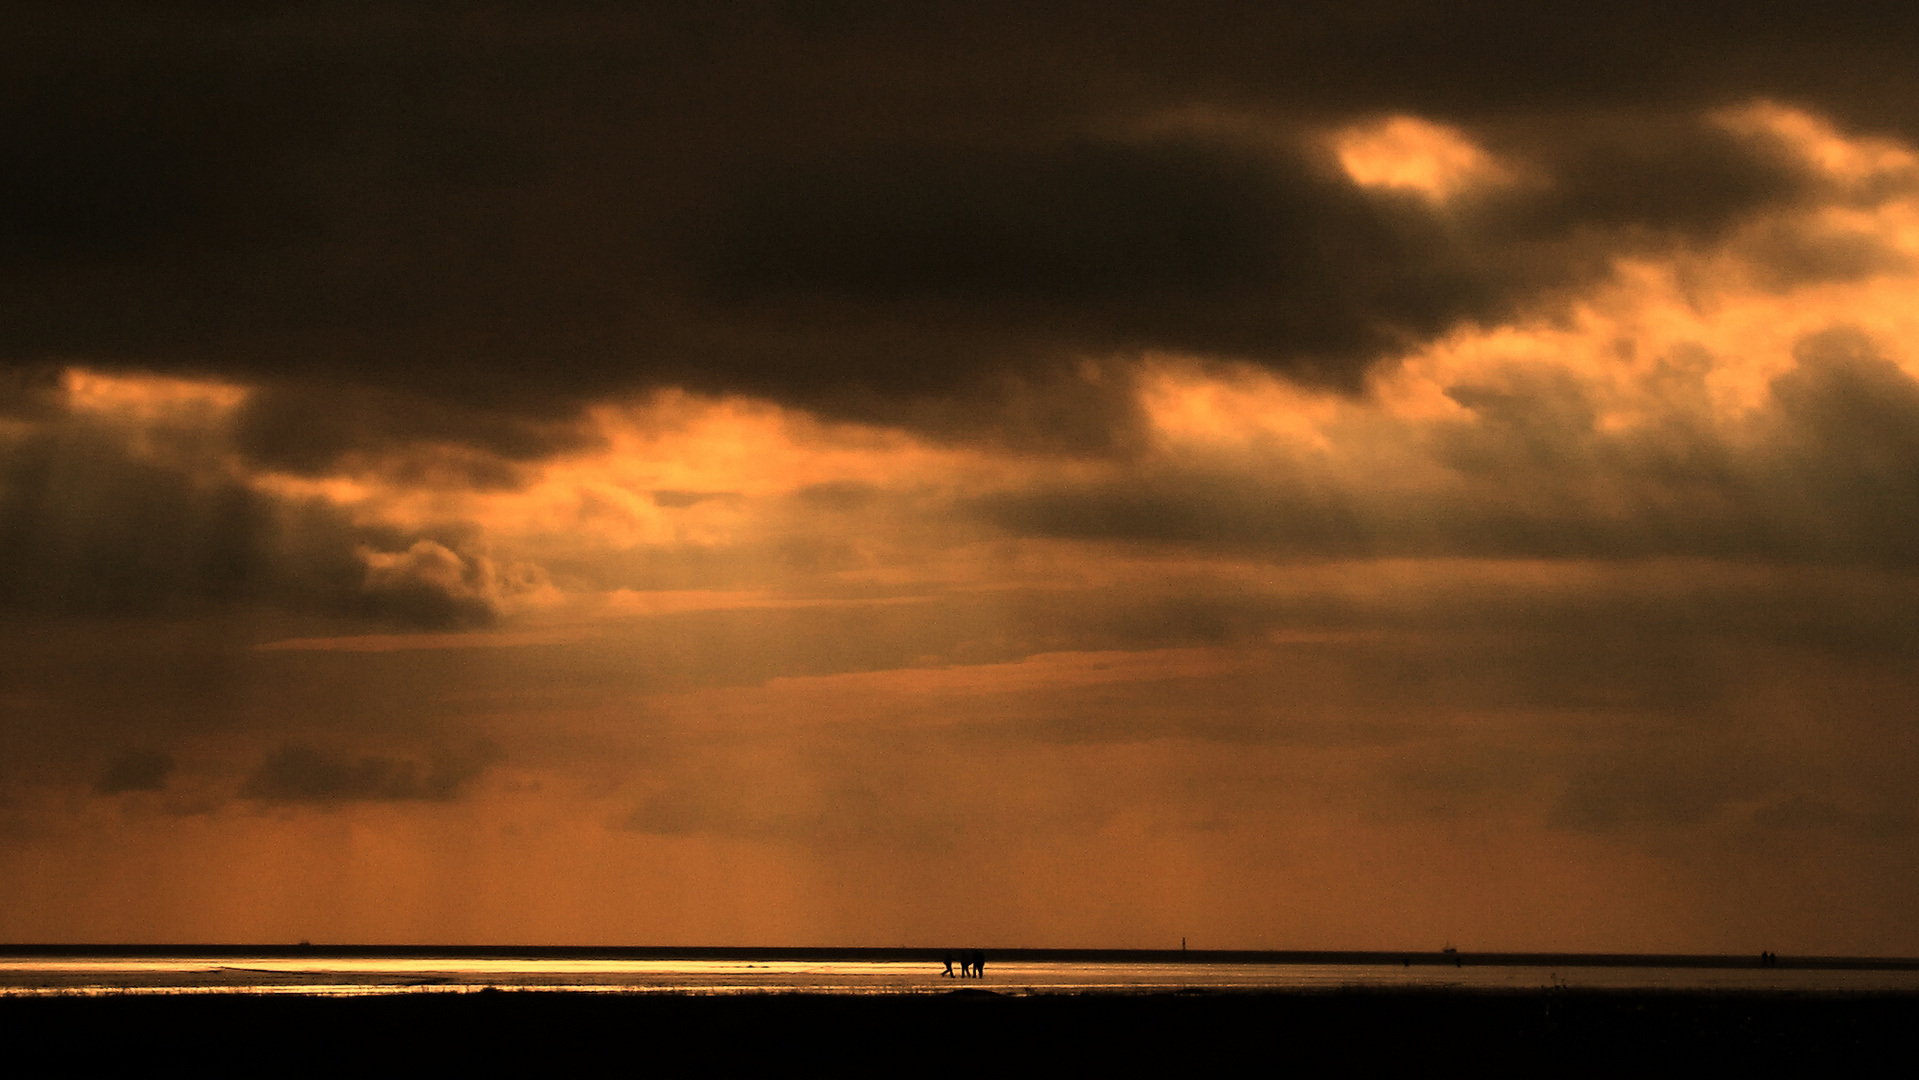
(1718, 314)
(1849, 159)
(1417, 155)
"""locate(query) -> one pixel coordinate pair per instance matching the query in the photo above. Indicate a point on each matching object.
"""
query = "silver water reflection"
(349, 975)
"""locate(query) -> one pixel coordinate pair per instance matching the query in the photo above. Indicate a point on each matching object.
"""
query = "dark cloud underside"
(873, 212)
(86, 527)
(137, 770)
(303, 774)
(1831, 476)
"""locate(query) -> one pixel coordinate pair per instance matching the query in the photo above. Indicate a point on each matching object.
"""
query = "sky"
(1374, 475)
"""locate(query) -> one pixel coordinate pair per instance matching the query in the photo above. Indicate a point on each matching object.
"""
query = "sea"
(340, 971)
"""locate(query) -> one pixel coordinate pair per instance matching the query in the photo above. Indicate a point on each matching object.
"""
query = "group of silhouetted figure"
(972, 964)
(1768, 959)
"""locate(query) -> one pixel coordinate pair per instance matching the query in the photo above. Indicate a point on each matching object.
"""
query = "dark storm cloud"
(1850, 425)
(136, 770)
(86, 527)
(915, 216)
(316, 427)
(305, 775)
(1059, 225)
(1670, 173)
(1090, 247)
(1832, 476)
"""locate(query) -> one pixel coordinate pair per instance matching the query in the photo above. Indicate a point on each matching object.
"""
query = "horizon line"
(1443, 957)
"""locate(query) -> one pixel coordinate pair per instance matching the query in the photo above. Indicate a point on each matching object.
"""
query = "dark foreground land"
(974, 1031)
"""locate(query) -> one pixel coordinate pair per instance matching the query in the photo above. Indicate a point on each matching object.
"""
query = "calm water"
(351, 975)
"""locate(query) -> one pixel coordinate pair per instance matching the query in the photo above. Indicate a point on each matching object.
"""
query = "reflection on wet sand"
(332, 972)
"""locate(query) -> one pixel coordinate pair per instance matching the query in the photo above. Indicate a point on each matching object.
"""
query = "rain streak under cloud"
(1316, 478)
